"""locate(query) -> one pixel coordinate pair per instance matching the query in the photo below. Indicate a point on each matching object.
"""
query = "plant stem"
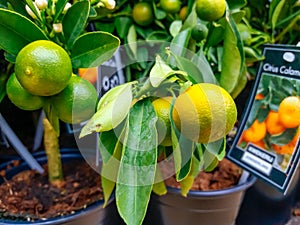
(51, 143)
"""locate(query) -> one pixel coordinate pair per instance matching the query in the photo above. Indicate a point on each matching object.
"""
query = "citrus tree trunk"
(51, 143)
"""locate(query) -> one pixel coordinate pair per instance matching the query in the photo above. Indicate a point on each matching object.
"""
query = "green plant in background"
(36, 34)
(268, 22)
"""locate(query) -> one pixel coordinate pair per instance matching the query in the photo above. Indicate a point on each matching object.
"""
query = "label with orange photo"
(267, 141)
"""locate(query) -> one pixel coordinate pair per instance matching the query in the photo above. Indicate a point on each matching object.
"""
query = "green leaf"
(232, 58)
(175, 27)
(283, 138)
(159, 72)
(74, 21)
(192, 70)
(180, 42)
(159, 186)
(205, 69)
(158, 36)
(242, 82)
(17, 31)
(191, 20)
(183, 149)
(108, 187)
(17, 5)
(131, 40)
(217, 148)
(276, 8)
(186, 184)
(94, 48)
(3, 79)
(122, 24)
(236, 4)
(138, 163)
(59, 7)
(110, 169)
(107, 142)
(112, 109)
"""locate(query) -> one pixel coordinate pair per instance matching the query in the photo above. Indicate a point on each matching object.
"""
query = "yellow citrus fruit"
(204, 112)
(273, 123)
(43, 68)
(142, 13)
(256, 132)
(77, 102)
(210, 10)
(22, 98)
(289, 111)
(162, 109)
(170, 6)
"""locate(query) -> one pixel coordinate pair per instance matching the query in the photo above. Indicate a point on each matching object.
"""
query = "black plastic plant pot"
(94, 214)
(219, 207)
(265, 205)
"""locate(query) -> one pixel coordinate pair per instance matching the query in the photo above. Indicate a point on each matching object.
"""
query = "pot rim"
(237, 188)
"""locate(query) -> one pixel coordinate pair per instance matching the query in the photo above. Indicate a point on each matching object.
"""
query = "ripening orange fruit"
(289, 111)
(273, 124)
(256, 132)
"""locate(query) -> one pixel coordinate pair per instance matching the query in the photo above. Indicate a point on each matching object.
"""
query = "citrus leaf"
(74, 21)
(94, 48)
(17, 5)
(109, 171)
(138, 163)
(204, 67)
(276, 12)
(59, 7)
(107, 142)
(186, 184)
(17, 31)
(132, 40)
(182, 149)
(159, 72)
(3, 79)
(232, 58)
(217, 148)
(122, 24)
(175, 27)
(180, 42)
(108, 186)
(284, 137)
(159, 187)
(112, 109)
(191, 19)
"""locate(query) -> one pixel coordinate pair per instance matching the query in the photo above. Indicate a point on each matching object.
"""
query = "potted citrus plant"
(46, 41)
(158, 119)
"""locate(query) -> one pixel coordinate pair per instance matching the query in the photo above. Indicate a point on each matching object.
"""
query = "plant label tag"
(267, 140)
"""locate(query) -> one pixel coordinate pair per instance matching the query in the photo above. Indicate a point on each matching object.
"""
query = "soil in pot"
(28, 195)
(225, 175)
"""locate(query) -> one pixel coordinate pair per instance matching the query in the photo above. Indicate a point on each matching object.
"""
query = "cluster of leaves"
(222, 47)
(269, 22)
(128, 140)
(19, 28)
